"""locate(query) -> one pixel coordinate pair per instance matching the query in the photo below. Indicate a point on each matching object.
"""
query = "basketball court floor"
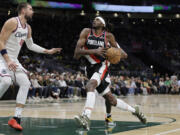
(56, 118)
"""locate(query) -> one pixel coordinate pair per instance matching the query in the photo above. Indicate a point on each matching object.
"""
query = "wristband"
(3, 51)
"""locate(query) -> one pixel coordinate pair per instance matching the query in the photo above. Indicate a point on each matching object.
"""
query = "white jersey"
(13, 46)
(15, 41)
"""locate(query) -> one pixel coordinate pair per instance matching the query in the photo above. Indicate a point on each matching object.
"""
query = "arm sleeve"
(34, 47)
(118, 45)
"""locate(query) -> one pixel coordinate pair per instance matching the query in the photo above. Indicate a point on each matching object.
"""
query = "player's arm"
(9, 26)
(36, 48)
(124, 54)
(112, 41)
(79, 51)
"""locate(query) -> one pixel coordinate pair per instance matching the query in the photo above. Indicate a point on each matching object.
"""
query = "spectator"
(156, 86)
(138, 89)
(162, 88)
(132, 86)
(63, 87)
(167, 84)
(174, 85)
(36, 86)
(122, 86)
(47, 86)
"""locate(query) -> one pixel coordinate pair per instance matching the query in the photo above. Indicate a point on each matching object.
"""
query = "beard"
(94, 27)
(97, 27)
(28, 18)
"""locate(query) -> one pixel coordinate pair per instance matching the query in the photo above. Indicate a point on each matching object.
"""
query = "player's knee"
(112, 100)
(6, 81)
(91, 85)
(26, 83)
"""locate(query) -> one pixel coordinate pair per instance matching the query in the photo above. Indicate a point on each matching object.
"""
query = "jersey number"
(21, 42)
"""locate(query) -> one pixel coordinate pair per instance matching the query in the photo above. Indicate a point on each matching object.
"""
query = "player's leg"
(108, 108)
(83, 119)
(124, 106)
(102, 89)
(5, 79)
(24, 85)
(109, 121)
(5, 82)
(90, 99)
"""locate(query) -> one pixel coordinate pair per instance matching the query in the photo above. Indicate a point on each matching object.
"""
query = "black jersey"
(94, 42)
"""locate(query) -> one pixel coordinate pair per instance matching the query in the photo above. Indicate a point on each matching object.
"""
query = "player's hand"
(101, 51)
(54, 50)
(12, 66)
(123, 54)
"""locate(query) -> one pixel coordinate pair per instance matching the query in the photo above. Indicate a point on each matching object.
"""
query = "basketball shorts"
(4, 71)
(99, 72)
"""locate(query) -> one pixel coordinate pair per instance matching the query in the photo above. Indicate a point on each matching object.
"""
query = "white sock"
(18, 112)
(89, 105)
(108, 114)
(124, 106)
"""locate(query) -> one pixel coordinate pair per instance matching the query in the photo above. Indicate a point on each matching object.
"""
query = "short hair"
(21, 6)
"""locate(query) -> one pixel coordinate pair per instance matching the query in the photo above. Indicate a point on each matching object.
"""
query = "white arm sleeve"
(33, 47)
(121, 49)
(118, 45)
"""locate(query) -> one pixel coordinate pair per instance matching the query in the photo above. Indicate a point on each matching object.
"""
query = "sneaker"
(14, 124)
(81, 132)
(109, 130)
(83, 121)
(36, 99)
(140, 115)
(110, 122)
(30, 100)
(76, 97)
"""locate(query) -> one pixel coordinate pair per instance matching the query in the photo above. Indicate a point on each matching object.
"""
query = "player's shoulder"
(109, 34)
(29, 26)
(11, 24)
(86, 30)
(11, 21)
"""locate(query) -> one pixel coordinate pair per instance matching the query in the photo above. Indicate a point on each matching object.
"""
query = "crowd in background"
(150, 42)
(54, 85)
(46, 86)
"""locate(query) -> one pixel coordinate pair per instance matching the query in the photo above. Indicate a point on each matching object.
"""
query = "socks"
(108, 115)
(18, 120)
(124, 106)
(89, 105)
(18, 112)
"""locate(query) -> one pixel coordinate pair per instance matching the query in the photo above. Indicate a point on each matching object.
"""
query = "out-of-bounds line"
(167, 132)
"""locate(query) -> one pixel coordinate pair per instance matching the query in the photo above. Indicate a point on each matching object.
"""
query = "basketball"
(113, 55)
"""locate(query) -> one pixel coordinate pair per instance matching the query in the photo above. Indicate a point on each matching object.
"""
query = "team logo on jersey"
(19, 34)
(95, 42)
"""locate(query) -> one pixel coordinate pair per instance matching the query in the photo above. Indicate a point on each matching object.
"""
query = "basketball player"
(92, 44)
(108, 119)
(13, 34)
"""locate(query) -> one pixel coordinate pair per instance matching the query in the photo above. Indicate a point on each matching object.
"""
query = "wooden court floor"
(56, 118)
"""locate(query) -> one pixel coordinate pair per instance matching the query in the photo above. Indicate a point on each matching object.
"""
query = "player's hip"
(100, 68)
(4, 71)
(101, 75)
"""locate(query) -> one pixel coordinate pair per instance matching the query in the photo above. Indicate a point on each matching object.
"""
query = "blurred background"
(148, 30)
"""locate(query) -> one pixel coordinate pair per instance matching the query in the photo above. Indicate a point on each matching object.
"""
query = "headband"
(102, 20)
